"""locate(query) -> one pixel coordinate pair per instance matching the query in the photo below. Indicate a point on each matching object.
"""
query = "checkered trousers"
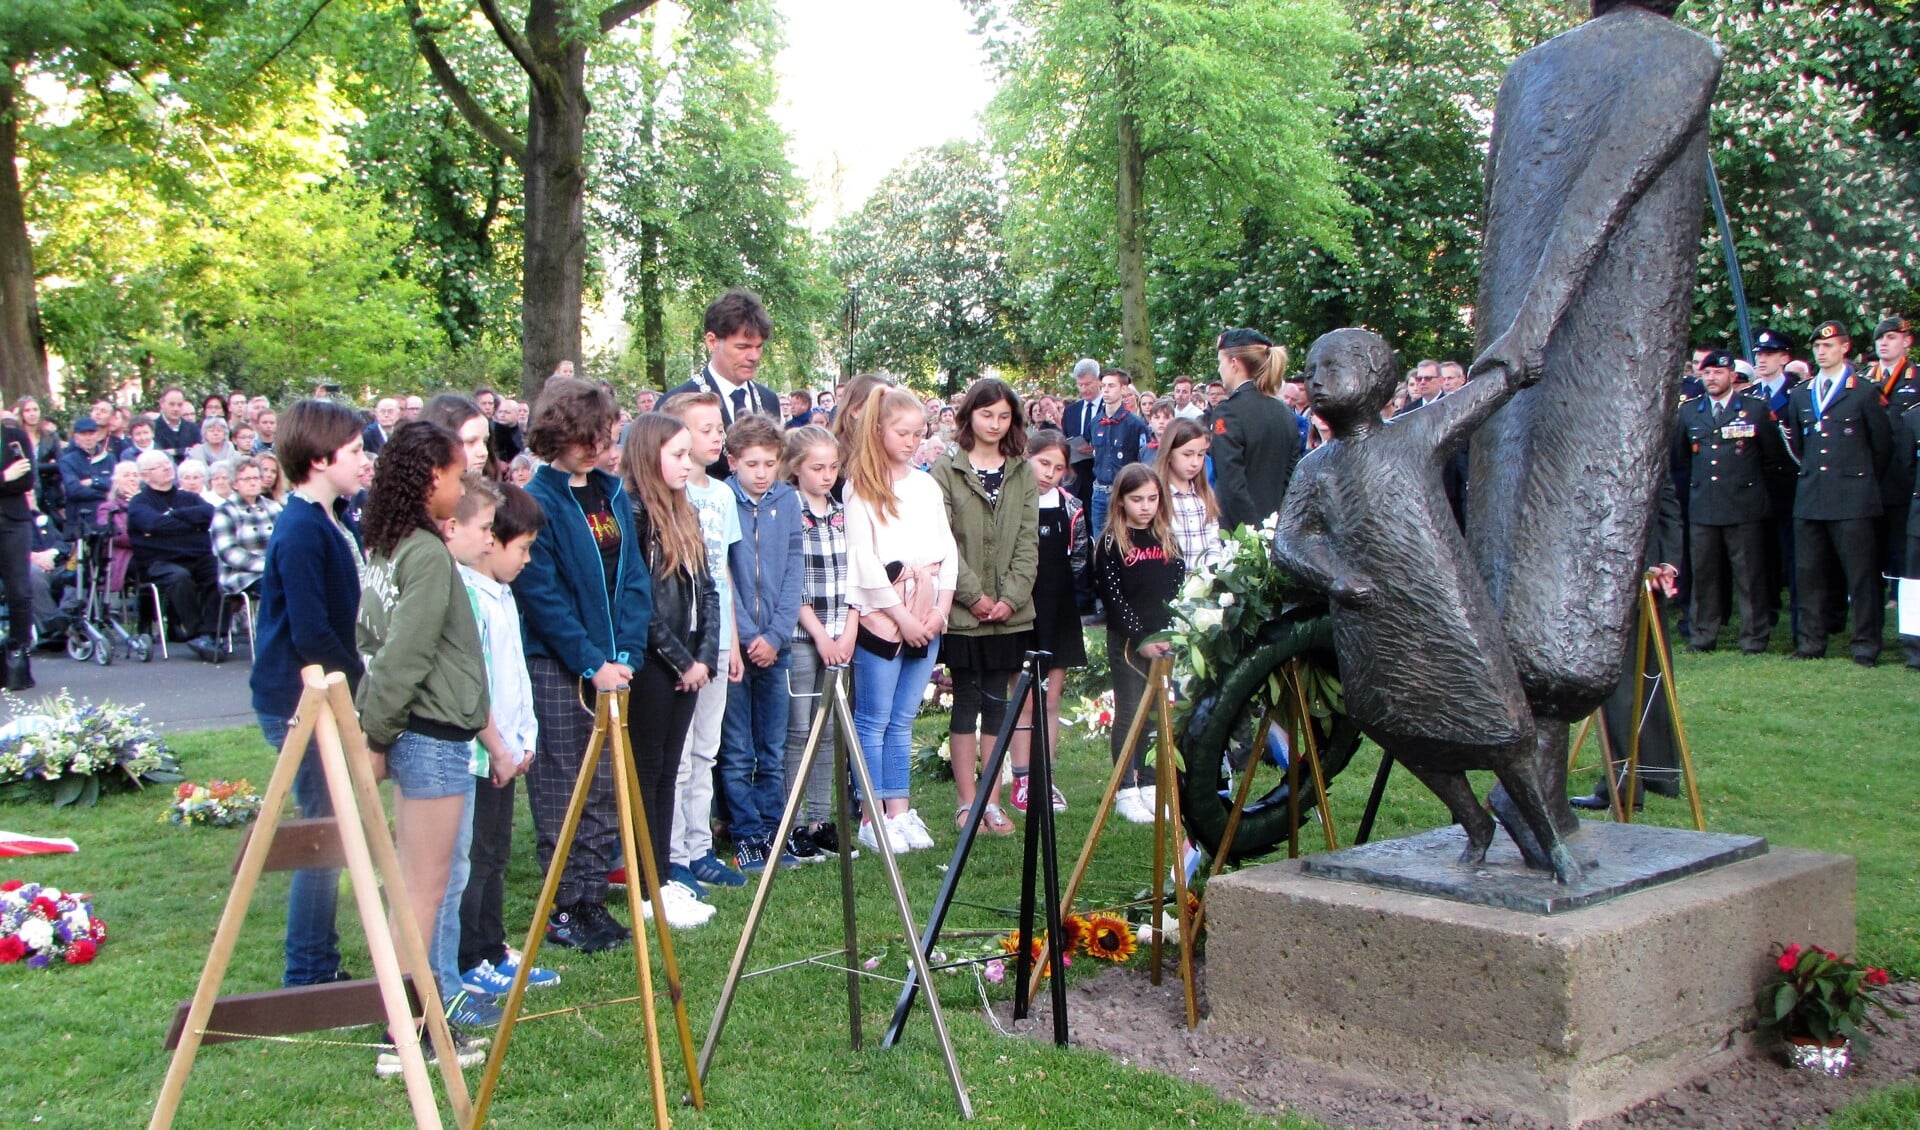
(565, 727)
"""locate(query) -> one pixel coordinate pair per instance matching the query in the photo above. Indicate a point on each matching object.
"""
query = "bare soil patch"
(1120, 1012)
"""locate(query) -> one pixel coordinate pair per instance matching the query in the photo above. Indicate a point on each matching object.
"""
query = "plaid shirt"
(1197, 535)
(823, 548)
(240, 535)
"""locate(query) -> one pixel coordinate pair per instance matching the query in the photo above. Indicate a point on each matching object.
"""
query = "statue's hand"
(1504, 354)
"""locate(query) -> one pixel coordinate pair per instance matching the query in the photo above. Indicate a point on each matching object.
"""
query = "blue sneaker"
(712, 870)
(470, 1011)
(682, 874)
(537, 978)
(483, 980)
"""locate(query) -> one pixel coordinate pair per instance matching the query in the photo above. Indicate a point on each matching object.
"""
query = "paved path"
(180, 694)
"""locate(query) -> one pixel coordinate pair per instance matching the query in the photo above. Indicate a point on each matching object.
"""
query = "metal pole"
(1733, 261)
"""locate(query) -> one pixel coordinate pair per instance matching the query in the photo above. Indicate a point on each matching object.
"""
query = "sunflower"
(1010, 945)
(1109, 938)
(1073, 932)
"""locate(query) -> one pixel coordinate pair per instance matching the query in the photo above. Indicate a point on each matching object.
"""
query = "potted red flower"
(1818, 1001)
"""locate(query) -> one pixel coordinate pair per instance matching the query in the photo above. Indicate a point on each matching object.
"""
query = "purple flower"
(39, 961)
(996, 971)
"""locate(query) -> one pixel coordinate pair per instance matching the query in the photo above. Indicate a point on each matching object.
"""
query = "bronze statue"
(1426, 669)
(1595, 190)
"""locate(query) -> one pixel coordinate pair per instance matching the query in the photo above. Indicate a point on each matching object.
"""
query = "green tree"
(1140, 131)
(118, 57)
(1822, 204)
(257, 264)
(927, 255)
(694, 186)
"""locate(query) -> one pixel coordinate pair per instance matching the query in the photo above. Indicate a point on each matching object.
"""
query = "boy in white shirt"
(487, 964)
(692, 859)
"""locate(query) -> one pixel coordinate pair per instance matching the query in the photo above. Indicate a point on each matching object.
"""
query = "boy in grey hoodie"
(767, 575)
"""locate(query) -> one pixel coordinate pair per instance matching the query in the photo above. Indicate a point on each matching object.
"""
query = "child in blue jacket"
(586, 603)
(767, 573)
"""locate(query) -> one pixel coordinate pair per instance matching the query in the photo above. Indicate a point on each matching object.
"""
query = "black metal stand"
(1374, 798)
(1040, 861)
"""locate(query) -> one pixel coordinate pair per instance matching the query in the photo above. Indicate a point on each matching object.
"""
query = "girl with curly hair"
(423, 699)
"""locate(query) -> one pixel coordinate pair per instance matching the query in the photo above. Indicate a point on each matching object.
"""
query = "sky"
(864, 83)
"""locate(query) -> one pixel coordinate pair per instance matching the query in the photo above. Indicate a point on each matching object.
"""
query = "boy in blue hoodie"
(767, 574)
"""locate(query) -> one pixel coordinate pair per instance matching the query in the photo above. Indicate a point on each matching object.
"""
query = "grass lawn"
(1809, 755)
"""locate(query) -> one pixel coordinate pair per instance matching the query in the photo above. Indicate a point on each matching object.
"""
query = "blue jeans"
(886, 700)
(1101, 497)
(753, 749)
(443, 949)
(313, 946)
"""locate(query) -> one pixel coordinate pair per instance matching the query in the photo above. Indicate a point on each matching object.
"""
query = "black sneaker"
(800, 847)
(604, 931)
(569, 927)
(750, 856)
(826, 840)
(469, 1051)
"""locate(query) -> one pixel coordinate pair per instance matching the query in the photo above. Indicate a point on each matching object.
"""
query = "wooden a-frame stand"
(358, 832)
(1650, 643)
(847, 754)
(609, 730)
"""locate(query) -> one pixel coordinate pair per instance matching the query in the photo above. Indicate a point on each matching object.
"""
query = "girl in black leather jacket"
(683, 637)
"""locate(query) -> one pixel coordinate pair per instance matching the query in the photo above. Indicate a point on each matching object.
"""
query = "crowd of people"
(482, 568)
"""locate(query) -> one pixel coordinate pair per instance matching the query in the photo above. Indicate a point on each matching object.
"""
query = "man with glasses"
(1424, 384)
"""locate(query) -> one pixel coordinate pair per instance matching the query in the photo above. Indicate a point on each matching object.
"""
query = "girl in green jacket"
(424, 697)
(993, 508)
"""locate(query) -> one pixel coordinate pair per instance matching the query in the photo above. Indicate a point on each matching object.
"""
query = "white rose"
(1226, 600)
(37, 933)
(1207, 619)
(1196, 587)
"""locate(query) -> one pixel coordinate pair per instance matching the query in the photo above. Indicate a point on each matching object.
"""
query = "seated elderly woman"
(241, 526)
(169, 528)
(214, 446)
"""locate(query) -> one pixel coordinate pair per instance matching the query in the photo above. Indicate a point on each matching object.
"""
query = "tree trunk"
(1130, 211)
(652, 248)
(23, 347)
(555, 253)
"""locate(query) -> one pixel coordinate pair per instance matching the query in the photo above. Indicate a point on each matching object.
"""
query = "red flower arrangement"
(1816, 995)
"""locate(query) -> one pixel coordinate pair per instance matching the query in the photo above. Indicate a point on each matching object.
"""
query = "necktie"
(1826, 388)
(739, 402)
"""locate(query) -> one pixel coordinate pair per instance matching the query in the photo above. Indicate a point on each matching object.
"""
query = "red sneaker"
(1020, 794)
(617, 877)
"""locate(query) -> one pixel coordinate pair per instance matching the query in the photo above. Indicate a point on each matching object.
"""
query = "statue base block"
(1559, 1019)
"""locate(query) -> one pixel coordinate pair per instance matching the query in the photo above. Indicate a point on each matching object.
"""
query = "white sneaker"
(896, 838)
(1133, 806)
(915, 830)
(684, 910)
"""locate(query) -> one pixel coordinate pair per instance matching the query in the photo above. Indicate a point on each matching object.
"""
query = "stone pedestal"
(1560, 1019)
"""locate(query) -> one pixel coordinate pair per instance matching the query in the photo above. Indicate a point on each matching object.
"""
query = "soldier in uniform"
(1730, 445)
(1837, 430)
(1894, 375)
(1772, 350)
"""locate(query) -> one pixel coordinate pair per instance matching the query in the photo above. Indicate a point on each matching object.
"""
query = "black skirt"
(1056, 628)
(1005, 651)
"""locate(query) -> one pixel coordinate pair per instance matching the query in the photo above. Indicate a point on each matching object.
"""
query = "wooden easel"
(1304, 746)
(1166, 823)
(847, 755)
(357, 834)
(1651, 637)
(609, 729)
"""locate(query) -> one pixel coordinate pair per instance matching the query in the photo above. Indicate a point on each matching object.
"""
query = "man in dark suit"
(737, 330)
(1078, 422)
(1730, 444)
(1837, 430)
(386, 417)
